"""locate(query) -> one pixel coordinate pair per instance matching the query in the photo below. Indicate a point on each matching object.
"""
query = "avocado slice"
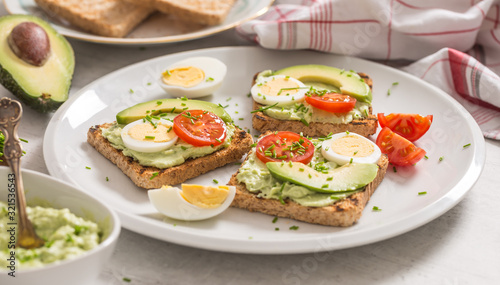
(155, 107)
(350, 176)
(44, 87)
(334, 79)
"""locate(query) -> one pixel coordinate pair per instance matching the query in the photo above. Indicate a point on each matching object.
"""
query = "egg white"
(170, 203)
(146, 146)
(261, 97)
(215, 72)
(331, 155)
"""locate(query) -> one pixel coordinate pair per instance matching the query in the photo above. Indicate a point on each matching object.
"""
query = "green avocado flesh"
(348, 177)
(154, 107)
(46, 87)
(327, 77)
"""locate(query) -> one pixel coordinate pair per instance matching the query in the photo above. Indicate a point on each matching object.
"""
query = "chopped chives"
(276, 229)
(275, 220)
(23, 140)
(149, 137)
(467, 145)
(126, 279)
(153, 175)
(87, 167)
(422, 193)
(441, 158)
(215, 181)
(376, 209)
(294, 228)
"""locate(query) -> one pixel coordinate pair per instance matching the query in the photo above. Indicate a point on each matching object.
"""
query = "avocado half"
(43, 88)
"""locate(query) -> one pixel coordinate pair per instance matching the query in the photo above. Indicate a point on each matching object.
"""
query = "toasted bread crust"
(343, 213)
(204, 12)
(141, 175)
(365, 127)
(109, 18)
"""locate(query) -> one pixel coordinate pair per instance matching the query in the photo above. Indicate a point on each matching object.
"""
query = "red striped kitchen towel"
(454, 44)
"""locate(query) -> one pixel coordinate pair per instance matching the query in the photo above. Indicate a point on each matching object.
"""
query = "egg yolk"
(184, 76)
(279, 87)
(352, 146)
(147, 132)
(205, 196)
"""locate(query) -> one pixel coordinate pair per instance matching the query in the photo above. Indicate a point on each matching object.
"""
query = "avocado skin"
(40, 103)
(43, 103)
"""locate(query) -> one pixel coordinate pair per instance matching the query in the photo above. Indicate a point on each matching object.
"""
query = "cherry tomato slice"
(399, 150)
(332, 102)
(200, 128)
(285, 146)
(409, 126)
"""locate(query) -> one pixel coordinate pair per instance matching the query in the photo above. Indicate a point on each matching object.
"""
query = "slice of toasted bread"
(365, 127)
(108, 18)
(343, 213)
(141, 175)
(206, 12)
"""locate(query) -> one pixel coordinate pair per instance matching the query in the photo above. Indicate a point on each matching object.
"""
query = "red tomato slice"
(332, 102)
(399, 150)
(285, 146)
(409, 126)
(200, 128)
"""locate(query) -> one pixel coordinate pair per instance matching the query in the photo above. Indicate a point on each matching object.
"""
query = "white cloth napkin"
(453, 44)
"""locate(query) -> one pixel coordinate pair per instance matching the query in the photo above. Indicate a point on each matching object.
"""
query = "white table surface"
(460, 247)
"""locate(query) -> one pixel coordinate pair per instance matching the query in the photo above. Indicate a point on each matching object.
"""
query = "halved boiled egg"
(278, 89)
(349, 147)
(193, 202)
(193, 77)
(149, 136)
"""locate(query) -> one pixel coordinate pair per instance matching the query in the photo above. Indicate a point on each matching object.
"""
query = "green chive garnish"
(376, 209)
(294, 228)
(149, 137)
(87, 167)
(275, 220)
(467, 145)
(215, 181)
(422, 193)
(153, 175)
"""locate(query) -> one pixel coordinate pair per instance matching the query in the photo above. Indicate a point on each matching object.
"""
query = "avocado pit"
(30, 43)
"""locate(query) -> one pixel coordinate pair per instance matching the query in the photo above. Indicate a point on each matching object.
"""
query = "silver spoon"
(10, 114)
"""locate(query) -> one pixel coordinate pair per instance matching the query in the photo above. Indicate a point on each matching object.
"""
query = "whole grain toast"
(206, 12)
(141, 175)
(343, 213)
(109, 18)
(365, 127)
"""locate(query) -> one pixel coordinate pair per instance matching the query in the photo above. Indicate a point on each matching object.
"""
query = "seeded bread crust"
(365, 127)
(108, 18)
(343, 213)
(141, 175)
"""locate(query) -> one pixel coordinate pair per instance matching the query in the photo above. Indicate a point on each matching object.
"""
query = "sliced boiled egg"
(193, 77)
(149, 136)
(278, 89)
(193, 202)
(349, 147)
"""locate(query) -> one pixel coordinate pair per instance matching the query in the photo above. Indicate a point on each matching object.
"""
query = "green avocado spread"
(175, 155)
(306, 113)
(257, 178)
(66, 236)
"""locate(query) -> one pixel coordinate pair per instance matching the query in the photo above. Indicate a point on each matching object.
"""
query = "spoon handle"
(10, 115)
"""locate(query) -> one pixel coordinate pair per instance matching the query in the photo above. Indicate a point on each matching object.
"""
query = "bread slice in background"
(108, 18)
(141, 175)
(206, 12)
(365, 126)
(343, 213)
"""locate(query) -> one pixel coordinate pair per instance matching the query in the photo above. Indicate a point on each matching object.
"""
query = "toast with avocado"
(314, 100)
(166, 142)
(320, 191)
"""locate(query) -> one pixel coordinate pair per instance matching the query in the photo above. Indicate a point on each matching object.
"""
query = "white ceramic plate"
(67, 155)
(156, 29)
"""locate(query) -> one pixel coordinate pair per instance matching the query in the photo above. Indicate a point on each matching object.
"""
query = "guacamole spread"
(176, 155)
(257, 178)
(66, 236)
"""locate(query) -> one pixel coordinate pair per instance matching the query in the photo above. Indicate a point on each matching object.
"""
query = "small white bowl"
(84, 269)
